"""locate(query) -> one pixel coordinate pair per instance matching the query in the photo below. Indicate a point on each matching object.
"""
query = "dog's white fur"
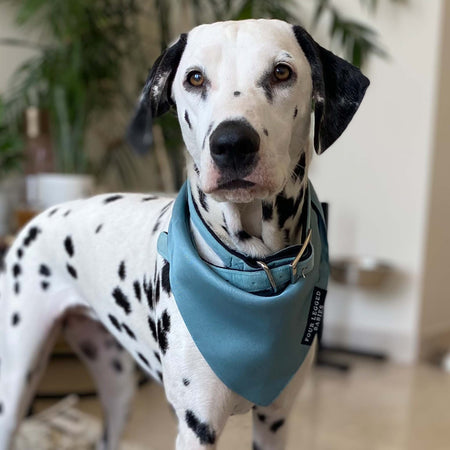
(95, 261)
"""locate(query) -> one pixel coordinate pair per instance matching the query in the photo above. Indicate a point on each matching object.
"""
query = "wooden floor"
(376, 406)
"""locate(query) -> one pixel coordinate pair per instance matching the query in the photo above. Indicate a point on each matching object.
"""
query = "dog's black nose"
(234, 145)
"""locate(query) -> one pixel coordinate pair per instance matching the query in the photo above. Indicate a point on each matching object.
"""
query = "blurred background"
(70, 75)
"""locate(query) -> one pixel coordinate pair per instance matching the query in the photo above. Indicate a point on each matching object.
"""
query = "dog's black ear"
(338, 90)
(156, 96)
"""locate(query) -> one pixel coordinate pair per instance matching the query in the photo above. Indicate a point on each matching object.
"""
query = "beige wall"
(435, 318)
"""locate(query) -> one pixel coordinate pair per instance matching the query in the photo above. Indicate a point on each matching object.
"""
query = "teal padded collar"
(254, 339)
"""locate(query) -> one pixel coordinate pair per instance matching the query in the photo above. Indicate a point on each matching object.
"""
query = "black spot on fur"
(265, 132)
(196, 169)
(143, 359)
(186, 382)
(286, 207)
(115, 322)
(72, 271)
(266, 85)
(207, 134)
(45, 285)
(267, 211)
(295, 112)
(163, 330)
(255, 446)
(186, 118)
(97, 230)
(158, 358)
(243, 235)
(261, 417)
(157, 291)
(161, 214)
(122, 271)
(149, 198)
(89, 350)
(160, 375)
(17, 288)
(128, 331)
(53, 211)
(31, 236)
(137, 289)
(67, 213)
(16, 270)
(15, 319)
(112, 198)
(117, 365)
(204, 432)
(276, 425)
(19, 253)
(1, 408)
(165, 279)
(152, 325)
(148, 290)
(236, 93)
(68, 245)
(121, 300)
(202, 199)
(44, 270)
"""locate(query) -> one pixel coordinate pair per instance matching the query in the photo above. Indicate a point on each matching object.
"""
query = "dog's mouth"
(235, 184)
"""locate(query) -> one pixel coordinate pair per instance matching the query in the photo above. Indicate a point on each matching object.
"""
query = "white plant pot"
(54, 188)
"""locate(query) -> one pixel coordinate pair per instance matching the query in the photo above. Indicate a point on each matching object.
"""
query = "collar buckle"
(299, 256)
(266, 269)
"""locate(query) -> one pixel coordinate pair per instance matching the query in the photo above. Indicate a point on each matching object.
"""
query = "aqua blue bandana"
(252, 331)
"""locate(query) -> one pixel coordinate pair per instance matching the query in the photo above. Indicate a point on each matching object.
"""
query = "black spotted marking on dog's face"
(157, 291)
(163, 331)
(196, 170)
(186, 118)
(98, 229)
(158, 358)
(243, 235)
(19, 253)
(186, 382)
(129, 331)
(45, 285)
(152, 326)
(202, 199)
(277, 425)
(67, 213)
(53, 211)
(72, 271)
(160, 376)
(121, 300)
(144, 359)
(15, 319)
(137, 290)
(31, 236)
(17, 288)
(261, 417)
(89, 350)
(122, 271)
(44, 270)
(68, 245)
(204, 432)
(295, 112)
(265, 132)
(115, 322)
(112, 198)
(117, 365)
(16, 270)
(237, 93)
(148, 290)
(267, 211)
(149, 198)
(165, 277)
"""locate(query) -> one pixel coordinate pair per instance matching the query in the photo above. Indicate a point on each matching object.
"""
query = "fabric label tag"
(315, 315)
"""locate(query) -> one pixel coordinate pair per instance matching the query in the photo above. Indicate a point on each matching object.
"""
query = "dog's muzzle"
(234, 147)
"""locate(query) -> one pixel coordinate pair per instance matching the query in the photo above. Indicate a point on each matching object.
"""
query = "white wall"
(376, 179)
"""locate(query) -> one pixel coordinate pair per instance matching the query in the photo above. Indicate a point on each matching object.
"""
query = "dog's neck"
(258, 228)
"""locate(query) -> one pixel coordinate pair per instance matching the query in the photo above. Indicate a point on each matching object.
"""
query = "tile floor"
(376, 406)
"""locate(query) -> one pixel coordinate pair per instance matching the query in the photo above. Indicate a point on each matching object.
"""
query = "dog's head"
(244, 94)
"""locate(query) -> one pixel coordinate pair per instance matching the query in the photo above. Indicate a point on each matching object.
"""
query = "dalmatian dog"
(246, 94)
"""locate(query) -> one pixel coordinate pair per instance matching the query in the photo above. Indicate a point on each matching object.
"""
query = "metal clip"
(266, 269)
(299, 256)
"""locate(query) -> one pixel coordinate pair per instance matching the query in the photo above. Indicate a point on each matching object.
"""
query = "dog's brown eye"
(282, 72)
(196, 78)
